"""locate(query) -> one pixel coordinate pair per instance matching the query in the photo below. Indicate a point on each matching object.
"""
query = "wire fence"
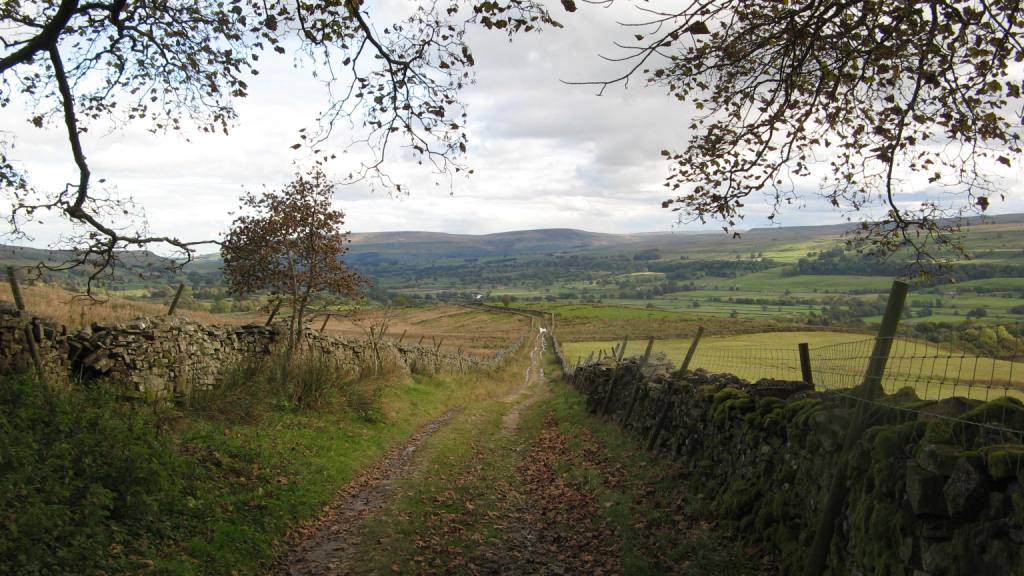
(939, 407)
(979, 364)
(935, 370)
(750, 363)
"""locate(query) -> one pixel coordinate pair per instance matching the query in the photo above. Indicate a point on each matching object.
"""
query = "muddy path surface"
(525, 483)
(529, 392)
(328, 545)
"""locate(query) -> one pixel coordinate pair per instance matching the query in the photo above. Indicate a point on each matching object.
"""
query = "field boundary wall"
(933, 489)
(166, 356)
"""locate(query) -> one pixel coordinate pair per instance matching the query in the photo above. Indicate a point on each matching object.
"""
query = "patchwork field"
(454, 327)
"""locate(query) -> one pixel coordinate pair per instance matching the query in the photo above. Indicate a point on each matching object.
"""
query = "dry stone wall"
(928, 495)
(166, 356)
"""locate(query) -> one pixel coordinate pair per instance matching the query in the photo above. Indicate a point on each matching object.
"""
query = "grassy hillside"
(799, 274)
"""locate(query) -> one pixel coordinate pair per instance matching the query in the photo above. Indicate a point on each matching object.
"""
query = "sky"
(545, 154)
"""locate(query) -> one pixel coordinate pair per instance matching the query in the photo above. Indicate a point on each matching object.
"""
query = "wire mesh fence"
(750, 363)
(933, 370)
(976, 363)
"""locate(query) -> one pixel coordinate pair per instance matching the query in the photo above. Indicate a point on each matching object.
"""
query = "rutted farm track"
(518, 484)
(328, 545)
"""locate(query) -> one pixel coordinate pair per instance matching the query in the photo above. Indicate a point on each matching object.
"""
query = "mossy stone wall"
(165, 356)
(928, 493)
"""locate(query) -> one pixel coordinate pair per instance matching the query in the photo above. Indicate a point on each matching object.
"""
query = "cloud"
(545, 153)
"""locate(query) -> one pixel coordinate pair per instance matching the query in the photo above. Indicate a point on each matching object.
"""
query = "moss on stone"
(1004, 461)
(723, 410)
(938, 458)
(939, 431)
(794, 409)
(737, 501)
(890, 441)
(707, 391)
(1007, 412)
(726, 394)
(769, 404)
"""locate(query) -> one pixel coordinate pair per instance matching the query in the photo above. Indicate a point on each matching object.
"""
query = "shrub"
(245, 393)
(309, 380)
(81, 474)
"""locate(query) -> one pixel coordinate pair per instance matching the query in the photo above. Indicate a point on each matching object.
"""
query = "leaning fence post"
(324, 325)
(30, 338)
(691, 351)
(177, 297)
(615, 376)
(805, 363)
(438, 347)
(670, 388)
(870, 389)
(638, 385)
(273, 312)
(12, 278)
(402, 337)
(576, 374)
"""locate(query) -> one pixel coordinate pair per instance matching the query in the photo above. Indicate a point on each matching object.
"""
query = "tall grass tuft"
(305, 381)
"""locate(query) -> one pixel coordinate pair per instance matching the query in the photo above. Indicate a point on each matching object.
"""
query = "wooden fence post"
(420, 343)
(273, 312)
(587, 362)
(805, 363)
(638, 385)
(652, 442)
(402, 337)
(324, 325)
(437, 348)
(870, 389)
(30, 338)
(177, 297)
(12, 278)
(691, 351)
(615, 376)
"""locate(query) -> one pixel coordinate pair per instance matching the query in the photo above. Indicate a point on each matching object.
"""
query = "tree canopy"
(183, 65)
(873, 98)
(289, 243)
(903, 112)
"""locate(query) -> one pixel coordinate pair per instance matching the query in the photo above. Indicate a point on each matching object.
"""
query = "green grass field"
(838, 360)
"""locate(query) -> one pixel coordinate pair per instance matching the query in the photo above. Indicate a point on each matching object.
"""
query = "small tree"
(290, 243)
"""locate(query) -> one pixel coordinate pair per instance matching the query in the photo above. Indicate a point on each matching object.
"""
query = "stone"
(966, 490)
(936, 556)
(925, 491)
(998, 557)
(1005, 461)
(938, 458)
(948, 408)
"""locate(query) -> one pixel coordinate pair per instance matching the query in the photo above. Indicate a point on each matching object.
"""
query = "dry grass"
(62, 306)
(476, 332)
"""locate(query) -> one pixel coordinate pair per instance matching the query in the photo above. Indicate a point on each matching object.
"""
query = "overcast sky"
(545, 154)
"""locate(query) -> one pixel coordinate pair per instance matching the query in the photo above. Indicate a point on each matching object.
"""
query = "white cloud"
(546, 154)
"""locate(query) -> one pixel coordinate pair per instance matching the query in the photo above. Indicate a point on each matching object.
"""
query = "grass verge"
(92, 484)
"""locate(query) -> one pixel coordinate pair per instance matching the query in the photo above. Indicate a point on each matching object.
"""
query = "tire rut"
(327, 546)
